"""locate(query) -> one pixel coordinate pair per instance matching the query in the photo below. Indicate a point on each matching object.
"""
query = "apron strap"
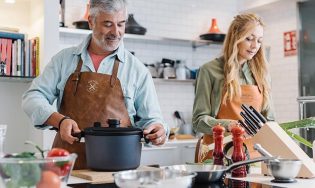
(113, 77)
(76, 76)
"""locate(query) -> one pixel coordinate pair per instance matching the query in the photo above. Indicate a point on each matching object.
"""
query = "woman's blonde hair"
(239, 29)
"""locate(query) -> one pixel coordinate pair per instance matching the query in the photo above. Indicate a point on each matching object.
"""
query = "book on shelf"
(19, 56)
(12, 35)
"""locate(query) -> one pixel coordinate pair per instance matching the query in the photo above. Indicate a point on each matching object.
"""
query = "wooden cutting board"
(99, 176)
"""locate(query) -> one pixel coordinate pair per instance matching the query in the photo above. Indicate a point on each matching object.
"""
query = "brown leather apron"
(252, 96)
(91, 97)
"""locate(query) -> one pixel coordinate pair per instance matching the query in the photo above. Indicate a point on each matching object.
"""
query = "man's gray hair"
(107, 6)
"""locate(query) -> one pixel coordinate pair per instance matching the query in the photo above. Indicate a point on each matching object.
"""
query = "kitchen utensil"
(249, 122)
(252, 116)
(159, 178)
(283, 170)
(216, 37)
(214, 33)
(247, 129)
(207, 173)
(133, 27)
(32, 172)
(261, 117)
(228, 150)
(112, 148)
(178, 115)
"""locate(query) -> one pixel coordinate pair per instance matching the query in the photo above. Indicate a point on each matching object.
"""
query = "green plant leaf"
(305, 123)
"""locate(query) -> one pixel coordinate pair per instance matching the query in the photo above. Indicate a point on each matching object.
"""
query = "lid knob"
(113, 123)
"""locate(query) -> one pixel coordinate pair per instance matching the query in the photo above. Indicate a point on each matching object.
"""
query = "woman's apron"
(250, 95)
(91, 97)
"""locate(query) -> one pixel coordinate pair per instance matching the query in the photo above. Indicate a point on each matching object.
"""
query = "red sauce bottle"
(218, 135)
(238, 152)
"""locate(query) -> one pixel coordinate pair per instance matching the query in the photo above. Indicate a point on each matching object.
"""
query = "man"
(95, 81)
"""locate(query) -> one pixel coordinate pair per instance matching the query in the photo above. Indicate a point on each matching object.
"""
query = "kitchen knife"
(249, 123)
(252, 116)
(261, 117)
(248, 131)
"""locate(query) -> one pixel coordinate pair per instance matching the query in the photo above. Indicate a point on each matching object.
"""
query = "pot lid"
(108, 131)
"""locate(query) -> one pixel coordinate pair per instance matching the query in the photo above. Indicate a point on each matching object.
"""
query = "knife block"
(276, 141)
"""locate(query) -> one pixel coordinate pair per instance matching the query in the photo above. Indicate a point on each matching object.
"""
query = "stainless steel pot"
(207, 173)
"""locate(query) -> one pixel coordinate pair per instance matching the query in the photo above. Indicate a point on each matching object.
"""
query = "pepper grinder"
(238, 152)
(218, 135)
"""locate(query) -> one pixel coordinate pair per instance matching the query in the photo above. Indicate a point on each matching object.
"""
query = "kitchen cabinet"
(171, 153)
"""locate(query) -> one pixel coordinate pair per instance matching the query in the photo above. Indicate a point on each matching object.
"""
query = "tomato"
(60, 168)
(49, 180)
(57, 152)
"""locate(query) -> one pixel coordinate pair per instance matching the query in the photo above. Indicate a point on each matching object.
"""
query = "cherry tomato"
(49, 180)
(60, 168)
(57, 152)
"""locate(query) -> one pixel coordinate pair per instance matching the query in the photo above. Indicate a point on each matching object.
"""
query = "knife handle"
(248, 131)
(261, 117)
(251, 114)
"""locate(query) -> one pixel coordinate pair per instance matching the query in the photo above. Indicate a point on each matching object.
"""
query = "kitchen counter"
(254, 176)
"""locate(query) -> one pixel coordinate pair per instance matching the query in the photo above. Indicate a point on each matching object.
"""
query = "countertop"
(254, 176)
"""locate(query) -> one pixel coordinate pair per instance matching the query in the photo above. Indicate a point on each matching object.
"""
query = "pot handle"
(78, 135)
(241, 163)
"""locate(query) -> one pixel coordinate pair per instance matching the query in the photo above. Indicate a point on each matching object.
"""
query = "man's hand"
(68, 126)
(155, 133)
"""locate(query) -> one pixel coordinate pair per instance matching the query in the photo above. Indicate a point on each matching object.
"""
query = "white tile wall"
(164, 18)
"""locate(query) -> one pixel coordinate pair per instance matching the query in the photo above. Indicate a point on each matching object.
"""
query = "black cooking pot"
(112, 148)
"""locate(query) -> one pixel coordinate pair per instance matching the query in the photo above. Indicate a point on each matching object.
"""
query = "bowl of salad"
(29, 170)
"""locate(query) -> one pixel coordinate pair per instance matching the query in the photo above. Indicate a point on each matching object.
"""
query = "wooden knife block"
(276, 141)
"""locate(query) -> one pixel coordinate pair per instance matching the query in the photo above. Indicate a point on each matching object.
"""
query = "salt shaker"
(218, 135)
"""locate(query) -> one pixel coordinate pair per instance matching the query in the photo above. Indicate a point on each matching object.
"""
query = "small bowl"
(154, 178)
(36, 172)
(284, 169)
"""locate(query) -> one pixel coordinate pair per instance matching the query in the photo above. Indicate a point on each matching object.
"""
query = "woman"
(240, 76)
